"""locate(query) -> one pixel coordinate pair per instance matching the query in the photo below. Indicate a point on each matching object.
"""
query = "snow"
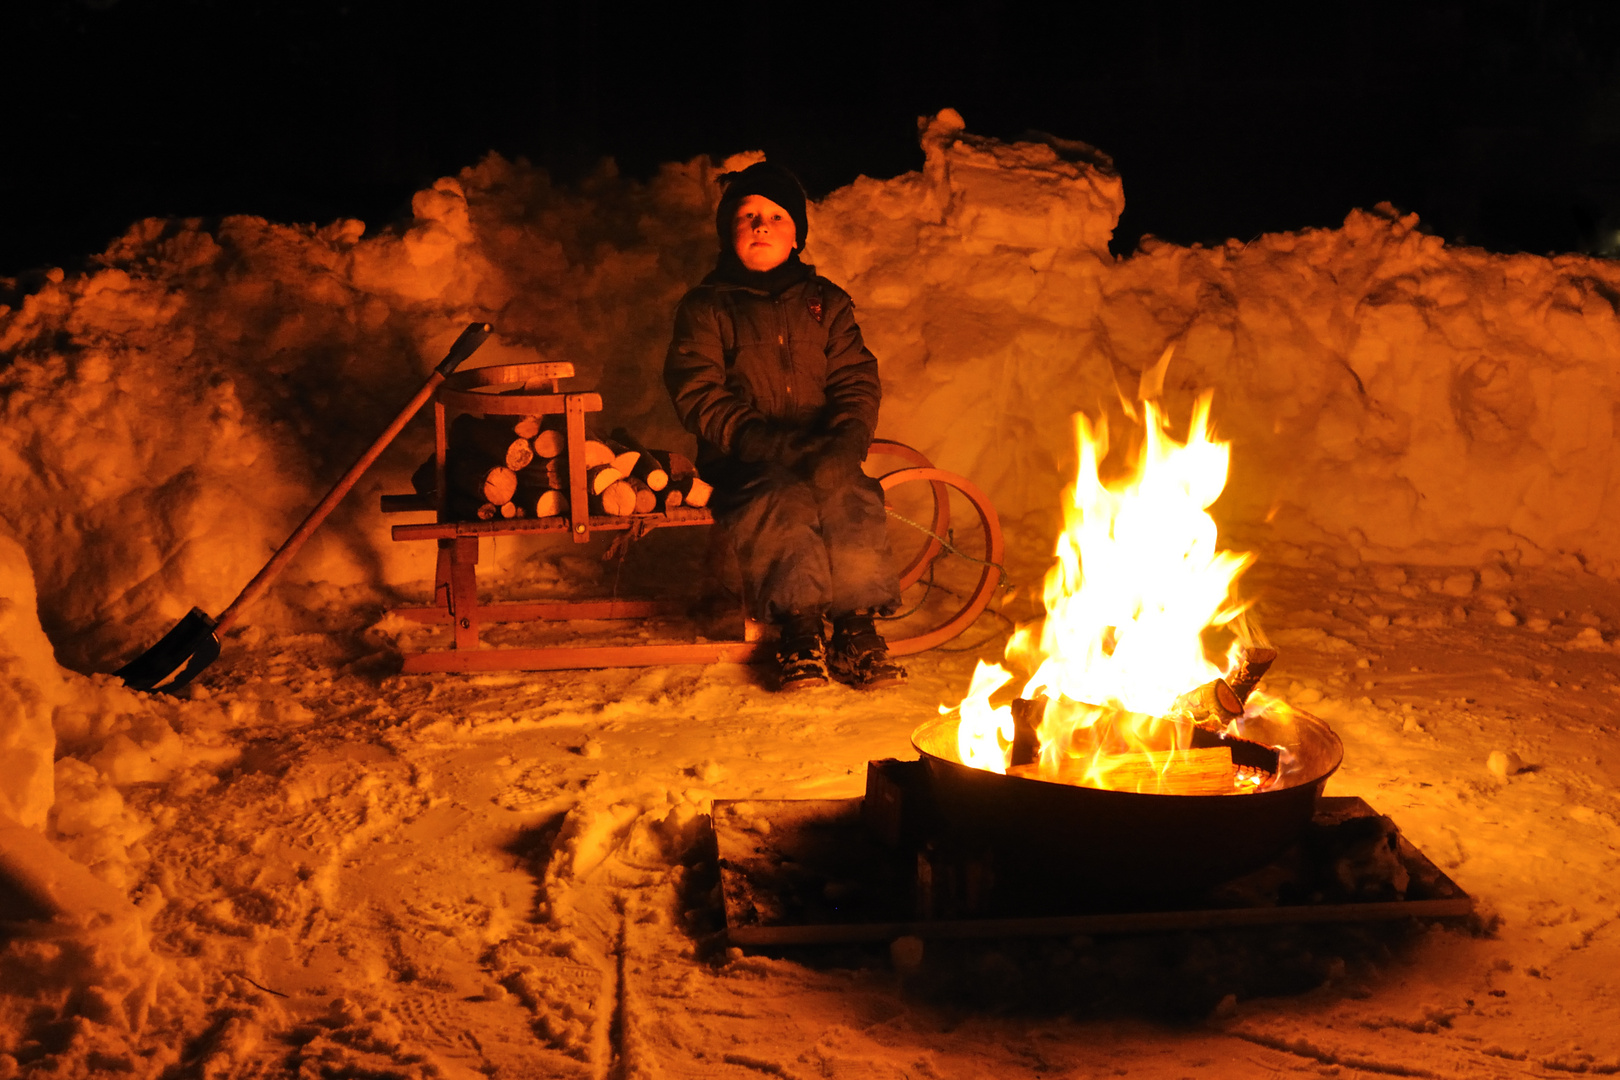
(32, 687)
(326, 868)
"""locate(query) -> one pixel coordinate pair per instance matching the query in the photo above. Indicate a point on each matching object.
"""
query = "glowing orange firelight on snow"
(1137, 582)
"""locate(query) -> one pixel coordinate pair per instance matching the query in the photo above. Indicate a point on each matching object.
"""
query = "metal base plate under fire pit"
(823, 871)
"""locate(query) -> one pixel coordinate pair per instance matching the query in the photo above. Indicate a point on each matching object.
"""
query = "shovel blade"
(176, 659)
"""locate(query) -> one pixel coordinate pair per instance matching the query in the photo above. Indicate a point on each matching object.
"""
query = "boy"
(767, 368)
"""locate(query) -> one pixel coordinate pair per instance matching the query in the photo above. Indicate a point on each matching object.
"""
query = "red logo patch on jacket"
(815, 308)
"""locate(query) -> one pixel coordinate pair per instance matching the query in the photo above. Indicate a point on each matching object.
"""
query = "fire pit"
(1140, 755)
(1105, 842)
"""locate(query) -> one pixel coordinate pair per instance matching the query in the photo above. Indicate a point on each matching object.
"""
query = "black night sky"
(1496, 120)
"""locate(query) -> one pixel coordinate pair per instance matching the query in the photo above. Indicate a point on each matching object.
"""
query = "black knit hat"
(771, 181)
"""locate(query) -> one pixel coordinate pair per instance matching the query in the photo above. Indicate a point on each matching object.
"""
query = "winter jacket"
(739, 354)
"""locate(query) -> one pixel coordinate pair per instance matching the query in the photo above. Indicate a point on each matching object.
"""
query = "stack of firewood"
(496, 468)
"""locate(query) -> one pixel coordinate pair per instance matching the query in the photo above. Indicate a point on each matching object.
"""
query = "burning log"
(1026, 745)
(1180, 772)
(1251, 668)
(1213, 703)
(1246, 753)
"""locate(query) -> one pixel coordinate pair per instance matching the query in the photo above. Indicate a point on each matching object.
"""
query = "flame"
(1137, 582)
(985, 733)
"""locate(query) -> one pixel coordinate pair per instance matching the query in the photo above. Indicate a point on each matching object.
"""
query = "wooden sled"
(917, 495)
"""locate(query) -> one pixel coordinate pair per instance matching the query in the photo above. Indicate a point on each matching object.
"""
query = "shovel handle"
(465, 345)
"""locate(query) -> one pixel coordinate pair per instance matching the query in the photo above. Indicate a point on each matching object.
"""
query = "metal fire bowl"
(1125, 843)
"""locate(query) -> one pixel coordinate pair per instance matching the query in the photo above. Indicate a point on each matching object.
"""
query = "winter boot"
(801, 655)
(859, 656)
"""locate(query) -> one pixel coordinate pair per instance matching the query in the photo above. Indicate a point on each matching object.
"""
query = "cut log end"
(646, 499)
(1214, 703)
(550, 504)
(697, 493)
(679, 466)
(598, 478)
(519, 454)
(500, 484)
(618, 499)
(549, 443)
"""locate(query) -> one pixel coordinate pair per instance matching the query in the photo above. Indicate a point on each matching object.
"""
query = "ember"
(1124, 695)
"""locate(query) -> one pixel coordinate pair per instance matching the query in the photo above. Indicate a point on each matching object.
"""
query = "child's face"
(762, 232)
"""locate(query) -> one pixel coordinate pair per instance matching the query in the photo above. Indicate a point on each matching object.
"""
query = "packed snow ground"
(320, 867)
(450, 875)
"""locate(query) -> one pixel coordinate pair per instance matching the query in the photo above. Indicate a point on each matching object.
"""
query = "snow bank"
(68, 742)
(1389, 394)
(30, 689)
(171, 413)
(1389, 397)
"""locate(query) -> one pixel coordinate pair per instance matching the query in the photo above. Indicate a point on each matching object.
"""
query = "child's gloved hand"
(760, 441)
(850, 439)
(838, 457)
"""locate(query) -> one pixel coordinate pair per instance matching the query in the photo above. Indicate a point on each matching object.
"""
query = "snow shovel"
(193, 644)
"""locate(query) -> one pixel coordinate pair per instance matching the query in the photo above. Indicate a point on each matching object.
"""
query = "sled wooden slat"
(566, 658)
(554, 610)
(449, 530)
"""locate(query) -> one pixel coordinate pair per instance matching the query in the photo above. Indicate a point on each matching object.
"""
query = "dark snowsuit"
(805, 542)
